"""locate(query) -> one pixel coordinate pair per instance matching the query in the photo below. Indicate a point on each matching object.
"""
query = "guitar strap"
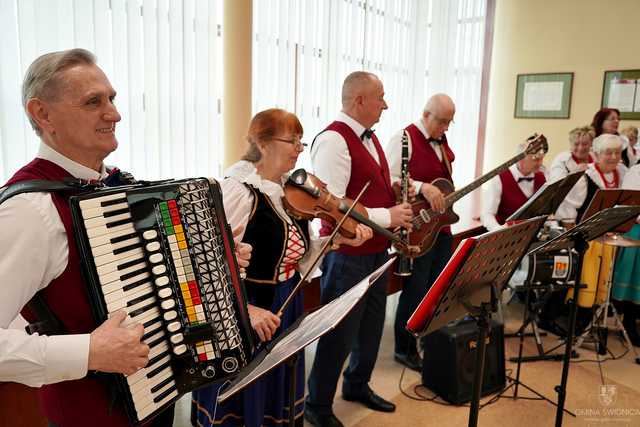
(445, 159)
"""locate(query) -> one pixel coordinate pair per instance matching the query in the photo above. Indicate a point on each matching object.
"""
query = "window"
(303, 50)
(164, 58)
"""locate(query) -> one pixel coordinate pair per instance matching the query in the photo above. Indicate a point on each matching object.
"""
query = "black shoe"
(629, 324)
(319, 420)
(371, 401)
(412, 361)
(634, 337)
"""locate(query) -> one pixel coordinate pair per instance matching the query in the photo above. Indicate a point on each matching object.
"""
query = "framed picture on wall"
(543, 96)
(621, 90)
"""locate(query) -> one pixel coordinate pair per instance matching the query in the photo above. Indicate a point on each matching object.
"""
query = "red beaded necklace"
(578, 161)
(609, 184)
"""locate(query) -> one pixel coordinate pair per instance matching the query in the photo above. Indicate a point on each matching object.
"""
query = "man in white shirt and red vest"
(430, 157)
(347, 155)
(70, 104)
(508, 191)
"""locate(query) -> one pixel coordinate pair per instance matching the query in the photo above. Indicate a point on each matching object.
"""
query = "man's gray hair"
(42, 78)
(353, 85)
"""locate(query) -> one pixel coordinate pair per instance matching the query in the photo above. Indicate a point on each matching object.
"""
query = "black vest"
(625, 157)
(592, 187)
(267, 233)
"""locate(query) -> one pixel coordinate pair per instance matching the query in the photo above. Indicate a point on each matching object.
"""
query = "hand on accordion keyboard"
(264, 322)
(115, 348)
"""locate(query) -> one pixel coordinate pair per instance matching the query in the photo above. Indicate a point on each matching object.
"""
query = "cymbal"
(614, 239)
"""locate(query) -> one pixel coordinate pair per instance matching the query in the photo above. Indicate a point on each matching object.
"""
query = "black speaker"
(450, 357)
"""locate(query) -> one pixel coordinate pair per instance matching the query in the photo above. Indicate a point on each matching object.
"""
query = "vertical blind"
(164, 59)
(303, 50)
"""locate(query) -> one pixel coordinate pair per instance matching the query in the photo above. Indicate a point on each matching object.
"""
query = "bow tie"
(435, 141)
(366, 134)
(117, 177)
(525, 178)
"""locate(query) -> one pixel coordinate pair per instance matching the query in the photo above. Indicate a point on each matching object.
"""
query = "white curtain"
(303, 50)
(164, 58)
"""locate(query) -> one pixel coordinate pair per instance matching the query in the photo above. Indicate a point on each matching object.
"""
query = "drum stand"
(531, 318)
(600, 320)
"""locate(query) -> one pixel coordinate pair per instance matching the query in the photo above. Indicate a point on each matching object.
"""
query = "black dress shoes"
(371, 401)
(319, 420)
(412, 361)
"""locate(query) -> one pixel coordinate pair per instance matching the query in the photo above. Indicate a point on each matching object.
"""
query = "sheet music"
(306, 331)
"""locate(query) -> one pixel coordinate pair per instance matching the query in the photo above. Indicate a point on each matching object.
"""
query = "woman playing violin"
(281, 245)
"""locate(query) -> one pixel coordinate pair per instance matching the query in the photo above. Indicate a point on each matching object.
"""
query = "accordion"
(165, 254)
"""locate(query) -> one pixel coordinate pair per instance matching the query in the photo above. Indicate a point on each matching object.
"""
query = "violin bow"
(327, 244)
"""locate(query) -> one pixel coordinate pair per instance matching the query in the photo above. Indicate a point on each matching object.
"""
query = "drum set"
(543, 280)
(539, 282)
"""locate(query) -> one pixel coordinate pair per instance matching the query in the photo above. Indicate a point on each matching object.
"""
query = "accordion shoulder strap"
(37, 186)
(47, 323)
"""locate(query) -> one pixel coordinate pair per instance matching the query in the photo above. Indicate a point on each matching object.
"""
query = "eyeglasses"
(613, 119)
(441, 121)
(295, 141)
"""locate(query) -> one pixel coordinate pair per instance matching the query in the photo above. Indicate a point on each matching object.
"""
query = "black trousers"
(359, 332)
(426, 270)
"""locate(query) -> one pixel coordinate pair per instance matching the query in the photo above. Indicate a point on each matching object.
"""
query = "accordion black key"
(165, 254)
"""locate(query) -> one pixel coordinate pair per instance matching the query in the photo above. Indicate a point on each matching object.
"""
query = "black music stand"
(548, 198)
(469, 283)
(545, 201)
(577, 237)
(603, 199)
(305, 331)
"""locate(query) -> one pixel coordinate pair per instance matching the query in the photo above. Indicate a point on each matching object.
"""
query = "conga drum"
(596, 264)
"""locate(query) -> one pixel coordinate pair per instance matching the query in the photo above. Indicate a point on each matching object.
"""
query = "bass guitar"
(427, 222)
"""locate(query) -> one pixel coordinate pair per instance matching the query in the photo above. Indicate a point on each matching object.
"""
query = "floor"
(618, 403)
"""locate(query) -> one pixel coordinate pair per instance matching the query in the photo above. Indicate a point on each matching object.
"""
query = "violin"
(307, 197)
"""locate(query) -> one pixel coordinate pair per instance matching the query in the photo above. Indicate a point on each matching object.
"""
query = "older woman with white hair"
(605, 173)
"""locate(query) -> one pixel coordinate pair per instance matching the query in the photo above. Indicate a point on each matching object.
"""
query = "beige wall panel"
(585, 37)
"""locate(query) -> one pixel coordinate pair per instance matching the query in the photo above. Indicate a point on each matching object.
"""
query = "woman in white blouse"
(579, 155)
(605, 173)
(253, 204)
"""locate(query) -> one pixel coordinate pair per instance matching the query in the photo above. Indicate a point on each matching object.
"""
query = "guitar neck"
(457, 195)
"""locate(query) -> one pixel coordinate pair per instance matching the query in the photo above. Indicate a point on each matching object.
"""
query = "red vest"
(512, 196)
(363, 169)
(424, 164)
(82, 402)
